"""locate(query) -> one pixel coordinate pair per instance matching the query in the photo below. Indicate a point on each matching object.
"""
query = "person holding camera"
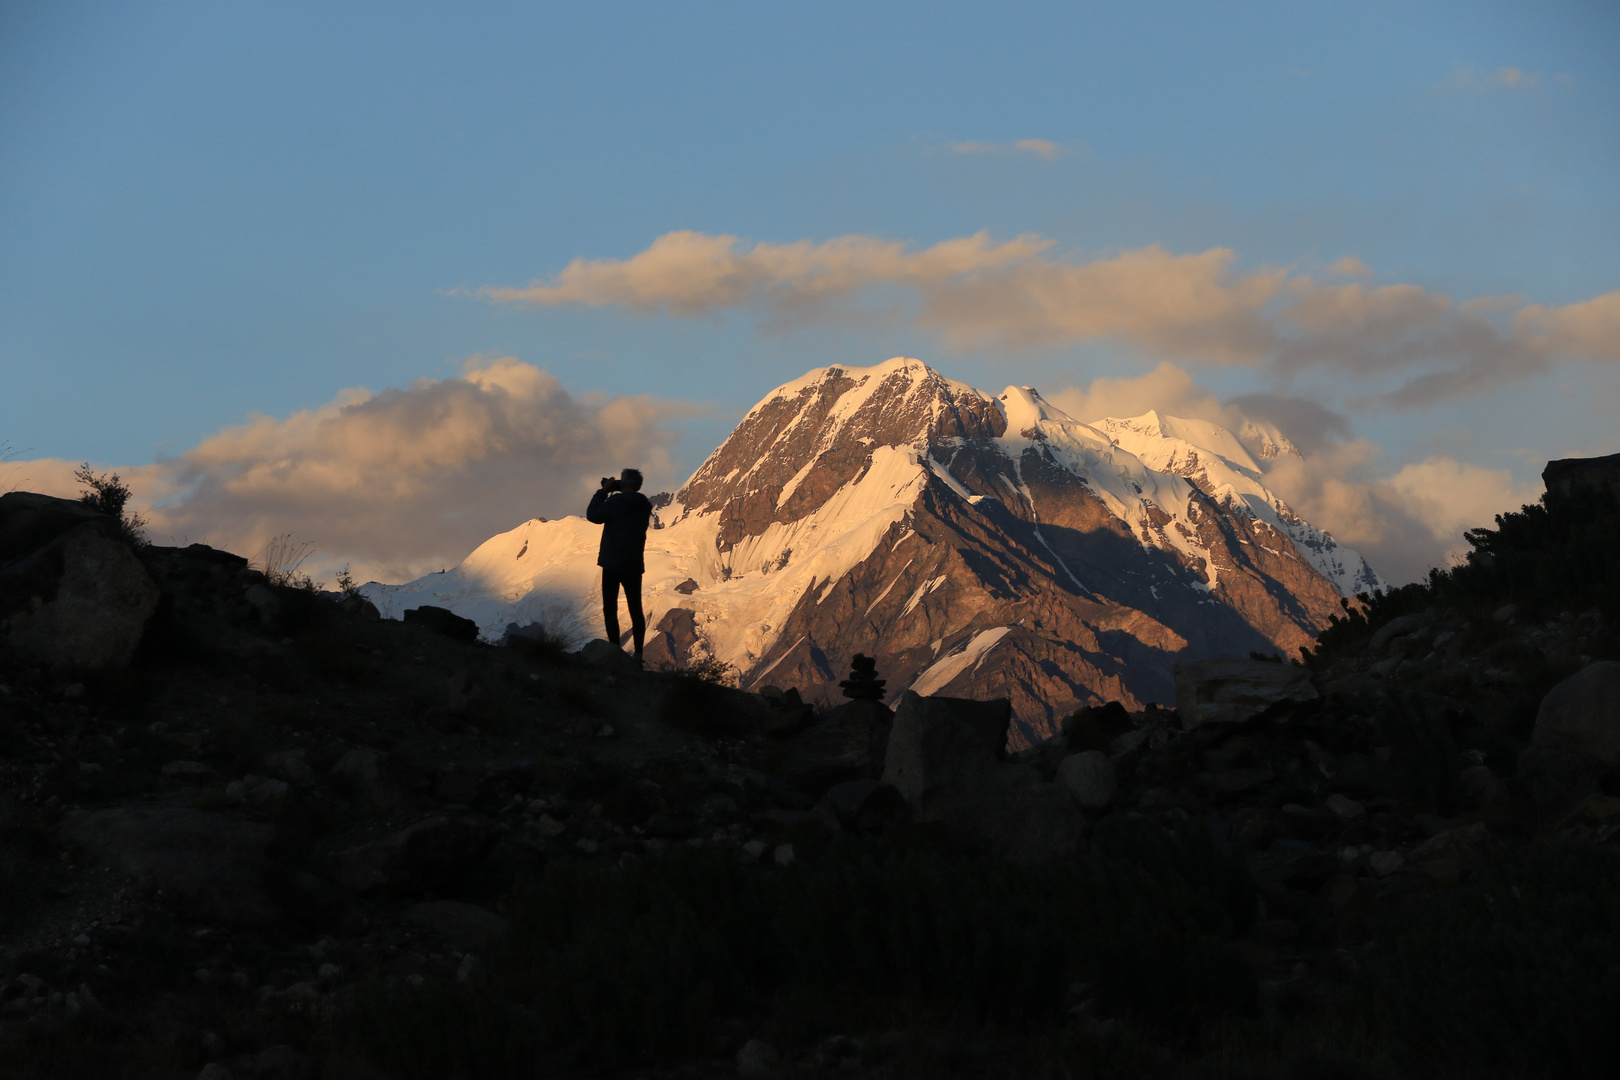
(624, 513)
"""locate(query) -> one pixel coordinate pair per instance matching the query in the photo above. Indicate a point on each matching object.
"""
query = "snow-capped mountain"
(976, 545)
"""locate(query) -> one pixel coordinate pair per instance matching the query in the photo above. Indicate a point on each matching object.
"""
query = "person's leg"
(632, 598)
(610, 605)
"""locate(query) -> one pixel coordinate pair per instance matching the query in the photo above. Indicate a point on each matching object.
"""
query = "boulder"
(942, 745)
(1447, 854)
(359, 774)
(443, 621)
(95, 616)
(946, 759)
(213, 863)
(848, 743)
(466, 926)
(601, 653)
(1089, 778)
(1233, 691)
(281, 1063)
(427, 855)
(29, 521)
(1396, 627)
(1582, 714)
(1569, 475)
(1556, 779)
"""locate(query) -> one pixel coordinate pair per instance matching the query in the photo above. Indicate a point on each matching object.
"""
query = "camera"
(611, 483)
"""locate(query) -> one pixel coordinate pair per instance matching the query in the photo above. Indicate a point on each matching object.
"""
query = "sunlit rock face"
(977, 545)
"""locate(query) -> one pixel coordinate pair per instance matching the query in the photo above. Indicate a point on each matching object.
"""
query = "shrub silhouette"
(107, 494)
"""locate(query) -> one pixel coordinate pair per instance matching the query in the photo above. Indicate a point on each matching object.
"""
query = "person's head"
(630, 480)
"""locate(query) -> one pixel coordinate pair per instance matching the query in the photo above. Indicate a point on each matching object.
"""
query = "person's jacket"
(623, 516)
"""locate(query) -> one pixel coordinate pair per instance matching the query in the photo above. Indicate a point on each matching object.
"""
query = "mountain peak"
(809, 437)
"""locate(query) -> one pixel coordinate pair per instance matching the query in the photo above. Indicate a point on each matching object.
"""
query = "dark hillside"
(251, 830)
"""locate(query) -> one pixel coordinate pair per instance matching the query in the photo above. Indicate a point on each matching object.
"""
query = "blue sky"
(216, 210)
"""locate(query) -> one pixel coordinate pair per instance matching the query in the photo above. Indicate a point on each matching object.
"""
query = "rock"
(1089, 778)
(849, 743)
(97, 613)
(30, 521)
(290, 765)
(1363, 773)
(784, 855)
(186, 769)
(458, 787)
(1556, 779)
(443, 621)
(865, 803)
(1505, 613)
(472, 972)
(267, 796)
(266, 603)
(1095, 726)
(940, 745)
(1385, 863)
(1255, 827)
(213, 863)
(756, 1060)
(359, 773)
(1480, 785)
(215, 1071)
(427, 855)
(945, 759)
(1601, 808)
(1348, 809)
(1467, 847)
(1569, 475)
(281, 1063)
(600, 653)
(1396, 627)
(466, 926)
(1233, 691)
(687, 587)
(788, 714)
(1582, 713)
(1238, 781)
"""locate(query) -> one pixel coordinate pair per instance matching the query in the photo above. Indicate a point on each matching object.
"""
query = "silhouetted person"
(623, 512)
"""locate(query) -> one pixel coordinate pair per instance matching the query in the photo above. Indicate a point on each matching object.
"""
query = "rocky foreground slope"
(251, 831)
(977, 545)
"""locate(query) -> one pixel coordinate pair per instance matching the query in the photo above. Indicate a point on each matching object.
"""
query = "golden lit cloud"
(1590, 328)
(1409, 345)
(1045, 149)
(403, 481)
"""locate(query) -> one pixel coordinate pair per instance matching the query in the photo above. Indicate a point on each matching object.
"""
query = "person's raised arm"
(594, 512)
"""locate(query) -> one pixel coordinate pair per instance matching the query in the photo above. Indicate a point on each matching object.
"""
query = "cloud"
(1467, 78)
(973, 292)
(1404, 522)
(694, 274)
(1409, 346)
(1167, 388)
(1590, 328)
(404, 481)
(1449, 496)
(1045, 149)
(1513, 77)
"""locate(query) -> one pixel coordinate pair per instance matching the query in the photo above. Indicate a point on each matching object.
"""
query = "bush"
(107, 494)
(280, 559)
(708, 669)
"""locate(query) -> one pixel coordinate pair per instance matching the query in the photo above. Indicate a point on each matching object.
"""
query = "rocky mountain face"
(978, 546)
